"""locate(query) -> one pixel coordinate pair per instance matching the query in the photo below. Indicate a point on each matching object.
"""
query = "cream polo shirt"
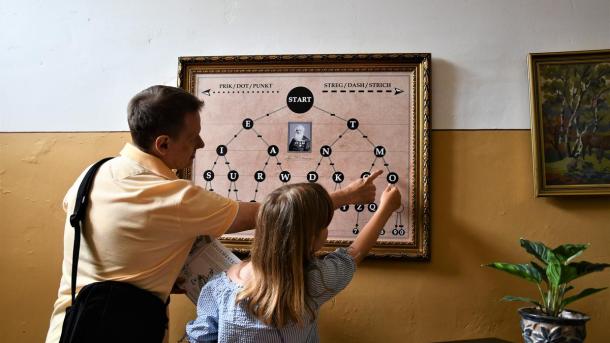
(141, 223)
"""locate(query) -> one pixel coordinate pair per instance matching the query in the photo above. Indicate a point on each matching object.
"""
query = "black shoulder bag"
(108, 311)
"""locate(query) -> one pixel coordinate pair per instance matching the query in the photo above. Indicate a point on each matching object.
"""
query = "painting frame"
(419, 64)
(570, 122)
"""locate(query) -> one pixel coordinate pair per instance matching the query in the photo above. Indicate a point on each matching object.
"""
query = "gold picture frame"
(371, 110)
(570, 122)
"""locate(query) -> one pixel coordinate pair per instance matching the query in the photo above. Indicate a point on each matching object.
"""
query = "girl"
(276, 295)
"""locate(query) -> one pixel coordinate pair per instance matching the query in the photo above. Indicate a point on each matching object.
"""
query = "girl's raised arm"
(390, 202)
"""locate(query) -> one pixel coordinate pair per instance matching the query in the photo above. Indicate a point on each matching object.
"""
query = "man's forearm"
(340, 198)
(361, 191)
(245, 218)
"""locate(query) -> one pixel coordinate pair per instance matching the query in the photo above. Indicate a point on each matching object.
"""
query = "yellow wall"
(482, 202)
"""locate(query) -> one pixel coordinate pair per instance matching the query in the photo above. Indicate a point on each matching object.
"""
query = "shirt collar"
(147, 161)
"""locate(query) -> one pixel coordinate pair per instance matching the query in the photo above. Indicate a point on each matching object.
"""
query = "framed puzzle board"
(271, 120)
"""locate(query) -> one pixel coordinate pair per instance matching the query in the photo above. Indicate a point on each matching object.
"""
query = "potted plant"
(549, 320)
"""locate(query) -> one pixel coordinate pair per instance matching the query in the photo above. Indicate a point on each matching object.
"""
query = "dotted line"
(245, 92)
(270, 113)
(340, 136)
(372, 164)
(234, 136)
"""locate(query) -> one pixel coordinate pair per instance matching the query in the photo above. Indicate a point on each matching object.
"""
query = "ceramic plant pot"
(536, 327)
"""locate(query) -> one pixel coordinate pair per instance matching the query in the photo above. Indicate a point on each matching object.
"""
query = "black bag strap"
(78, 216)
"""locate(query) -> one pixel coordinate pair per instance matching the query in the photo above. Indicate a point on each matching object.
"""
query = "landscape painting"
(571, 122)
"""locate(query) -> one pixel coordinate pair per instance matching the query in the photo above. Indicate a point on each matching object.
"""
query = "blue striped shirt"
(220, 319)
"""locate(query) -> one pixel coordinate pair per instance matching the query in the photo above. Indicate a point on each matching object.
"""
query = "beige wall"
(482, 202)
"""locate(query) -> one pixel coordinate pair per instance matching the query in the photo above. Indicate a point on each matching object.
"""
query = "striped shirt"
(220, 319)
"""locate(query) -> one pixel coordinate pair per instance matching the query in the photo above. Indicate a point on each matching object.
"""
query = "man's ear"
(161, 145)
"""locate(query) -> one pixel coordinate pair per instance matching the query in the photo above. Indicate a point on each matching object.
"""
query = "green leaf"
(527, 300)
(541, 251)
(554, 272)
(582, 294)
(525, 271)
(540, 270)
(575, 270)
(567, 252)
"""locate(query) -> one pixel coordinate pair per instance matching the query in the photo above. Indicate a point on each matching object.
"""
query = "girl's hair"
(287, 225)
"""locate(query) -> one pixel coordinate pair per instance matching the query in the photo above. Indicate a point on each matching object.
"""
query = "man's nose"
(200, 143)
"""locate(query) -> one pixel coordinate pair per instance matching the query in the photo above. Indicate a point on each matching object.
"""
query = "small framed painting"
(570, 112)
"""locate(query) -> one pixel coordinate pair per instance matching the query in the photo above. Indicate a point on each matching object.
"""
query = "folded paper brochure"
(207, 257)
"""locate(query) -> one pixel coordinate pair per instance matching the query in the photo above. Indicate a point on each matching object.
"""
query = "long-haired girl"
(276, 295)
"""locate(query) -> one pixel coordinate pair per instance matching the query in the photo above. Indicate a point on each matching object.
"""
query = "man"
(142, 220)
(299, 141)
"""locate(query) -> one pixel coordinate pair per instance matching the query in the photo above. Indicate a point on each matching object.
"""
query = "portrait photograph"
(299, 137)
